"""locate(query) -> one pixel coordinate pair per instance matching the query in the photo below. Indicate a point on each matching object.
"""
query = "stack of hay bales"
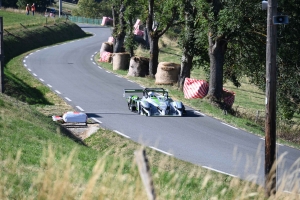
(167, 73)
(138, 66)
(121, 61)
(106, 46)
(106, 52)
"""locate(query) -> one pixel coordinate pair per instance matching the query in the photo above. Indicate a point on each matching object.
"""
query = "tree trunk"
(121, 35)
(115, 23)
(217, 51)
(185, 70)
(154, 51)
(188, 44)
(131, 46)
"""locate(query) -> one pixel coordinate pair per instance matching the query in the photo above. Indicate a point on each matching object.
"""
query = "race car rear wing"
(132, 91)
(145, 91)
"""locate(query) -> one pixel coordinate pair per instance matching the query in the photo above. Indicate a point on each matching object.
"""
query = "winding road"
(70, 71)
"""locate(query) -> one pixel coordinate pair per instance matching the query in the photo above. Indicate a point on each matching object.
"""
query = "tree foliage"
(89, 9)
(236, 40)
(161, 16)
(9, 3)
(288, 60)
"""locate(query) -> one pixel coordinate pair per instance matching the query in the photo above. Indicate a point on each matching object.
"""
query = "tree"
(288, 61)
(9, 3)
(188, 42)
(132, 12)
(236, 41)
(88, 9)
(160, 18)
(119, 32)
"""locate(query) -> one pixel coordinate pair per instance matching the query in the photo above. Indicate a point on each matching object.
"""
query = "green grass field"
(17, 19)
(39, 159)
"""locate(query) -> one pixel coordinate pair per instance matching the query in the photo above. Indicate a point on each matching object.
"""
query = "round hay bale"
(138, 66)
(121, 61)
(167, 73)
(106, 46)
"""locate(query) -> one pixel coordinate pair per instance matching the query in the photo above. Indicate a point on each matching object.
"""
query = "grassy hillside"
(39, 159)
(33, 33)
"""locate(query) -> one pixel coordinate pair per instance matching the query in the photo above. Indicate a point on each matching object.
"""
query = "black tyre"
(129, 106)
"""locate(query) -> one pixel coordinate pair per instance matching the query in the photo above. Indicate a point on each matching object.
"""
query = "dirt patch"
(82, 131)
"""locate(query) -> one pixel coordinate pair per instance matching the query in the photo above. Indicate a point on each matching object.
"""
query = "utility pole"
(60, 8)
(1, 57)
(270, 123)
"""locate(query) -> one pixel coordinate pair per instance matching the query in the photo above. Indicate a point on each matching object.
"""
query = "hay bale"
(106, 46)
(105, 57)
(138, 66)
(121, 61)
(167, 73)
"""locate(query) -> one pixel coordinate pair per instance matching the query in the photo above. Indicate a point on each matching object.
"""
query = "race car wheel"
(129, 107)
(179, 111)
(133, 108)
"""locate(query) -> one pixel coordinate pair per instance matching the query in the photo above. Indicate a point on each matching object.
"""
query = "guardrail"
(84, 20)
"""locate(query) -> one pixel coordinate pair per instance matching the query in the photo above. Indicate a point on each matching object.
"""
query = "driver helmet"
(150, 94)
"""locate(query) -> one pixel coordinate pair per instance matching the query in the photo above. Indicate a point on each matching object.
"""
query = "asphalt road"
(70, 71)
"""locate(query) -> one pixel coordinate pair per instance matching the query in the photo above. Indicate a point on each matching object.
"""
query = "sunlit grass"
(18, 20)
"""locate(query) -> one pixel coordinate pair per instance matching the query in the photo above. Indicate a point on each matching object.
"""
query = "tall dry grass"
(112, 179)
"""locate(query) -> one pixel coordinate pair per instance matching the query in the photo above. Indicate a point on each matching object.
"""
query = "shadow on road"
(189, 113)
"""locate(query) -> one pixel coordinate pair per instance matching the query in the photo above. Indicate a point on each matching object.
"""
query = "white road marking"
(41, 80)
(79, 108)
(26, 57)
(94, 63)
(199, 113)
(91, 58)
(229, 125)
(37, 50)
(121, 134)
(34, 74)
(100, 67)
(25, 65)
(29, 69)
(169, 154)
(119, 76)
(96, 52)
(58, 92)
(218, 171)
(130, 81)
(30, 53)
(96, 120)
(108, 72)
(68, 99)
(49, 85)
(24, 60)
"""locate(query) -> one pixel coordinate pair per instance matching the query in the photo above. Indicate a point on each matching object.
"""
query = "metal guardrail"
(84, 20)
